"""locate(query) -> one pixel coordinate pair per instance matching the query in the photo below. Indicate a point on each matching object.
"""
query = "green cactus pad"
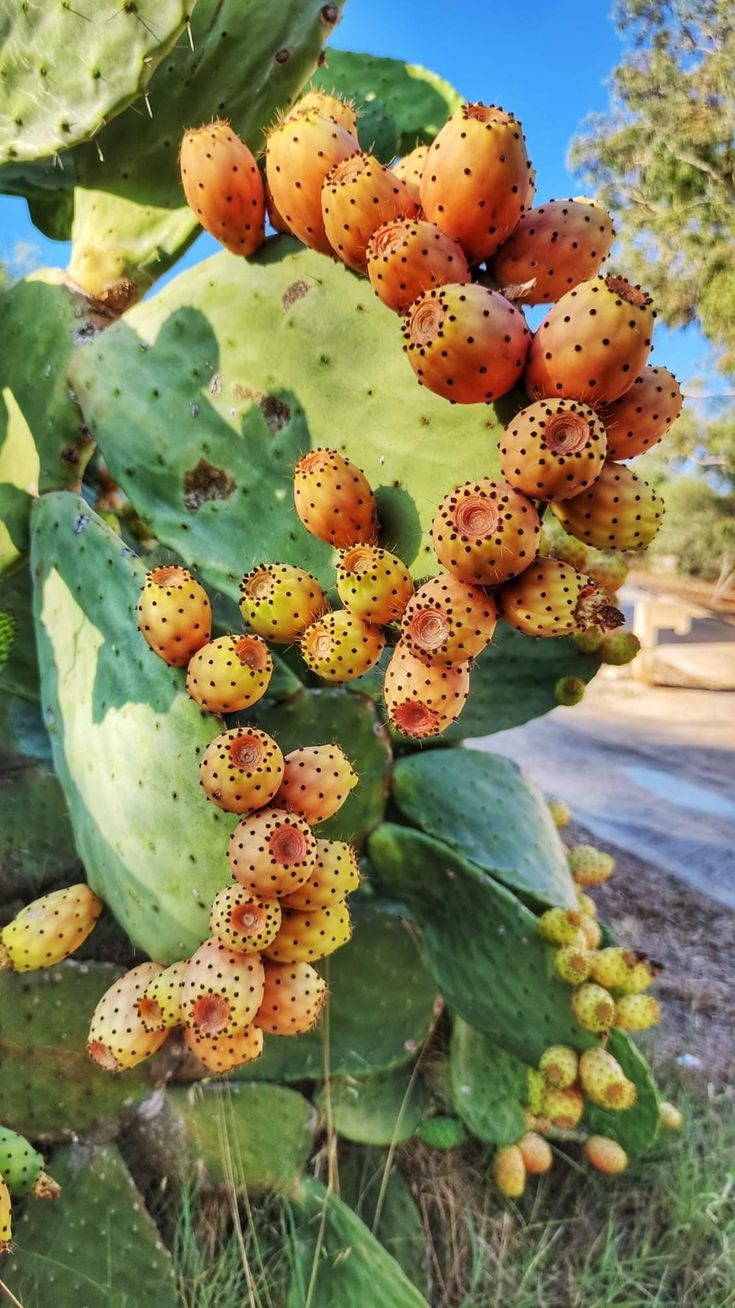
(7, 637)
(513, 681)
(255, 1136)
(442, 1132)
(481, 944)
(126, 738)
(49, 1088)
(636, 1129)
(418, 101)
(492, 814)
(375, 1110)
(98, 1247)
(335, 1256)
(488, 1086)
(318, 362)
(363, 1030)
(368, 1177)
(20, 1164)
(120, 247)
(316, 717)
(67, 68)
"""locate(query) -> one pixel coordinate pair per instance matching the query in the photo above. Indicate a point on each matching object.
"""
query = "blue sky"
(548, 63)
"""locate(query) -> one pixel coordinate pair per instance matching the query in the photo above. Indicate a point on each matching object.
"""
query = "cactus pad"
(488, 1086)
(376, 1110)
(399, 1228)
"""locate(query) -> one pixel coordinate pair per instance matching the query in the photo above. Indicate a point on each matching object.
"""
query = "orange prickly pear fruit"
(484, 532)
(573, 963)
(230, 673)
(551, 599)
(466, 343)
(410, 169)
(605, 1155)
(160, 1005)
(592, 344)
(223, 1053)
(241, 770)
(603, 1079)
(475, 178)
(307, 937)
(316, 782)
(448, 621)
(6, 1218)
(241, 921)
(334, 499)
(300, 151)
(563, 1107)
(332, 106)
(559, 1064)
(373, 584)
(174, 615)
(293, 997)
(421, 700)
(279, 601)
(560, 926)
(553, 248)
(593, 1007)
(222, 989)
(335, 875)
(223, 186)
(118, 1038)
(509, 1171)
(275, 217)
(643, 414)
(637, 1012)
(49, 930)
(620, 511)
(590, 866)
(408, 256)
(358, 196)
(341, 646)
(553, 449)
(272, 853)
(536, 1153)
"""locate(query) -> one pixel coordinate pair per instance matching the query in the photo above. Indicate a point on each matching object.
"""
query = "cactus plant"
(382, 1109)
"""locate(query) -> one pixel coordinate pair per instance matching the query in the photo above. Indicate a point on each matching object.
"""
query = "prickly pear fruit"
(553, 248)
(569, 691)
(279, 600)
(593, 1007)
(603, 1079)
(275, 217)
(466, 343)
(475, 178)
(336, 874)
(553, 449)
(341, 646)
(592, 344)
(242, 921)
(293, 997)
(485, 532)
(619, 511)
(272, 853)
(49, 930)
(241, 770)
(6, 1218)
(560, 926)
(637, 1012)
(590, 866)
(373, 584)
(564, 548)
(423, 701)
(619, 647)
(613, 965)
(160, 1005)
(117, 1036)
(334, 500)
(222, 989)
(410, 169)
(535, 1086)
(448, 621)
(22, 1167)
(536, 1153)
(306, 937)
(441, 1132)
(670, 1116)
(230, 673)
(358, 196)
(223, 186)
(300, 151)
(408, 256)
(563, 1108)
(586, 904)
(174, 615)
(509, 1171)
(560, 813)
(606, 569)
(551, 599)
(592, 932)
(332, 106)
(559, 1065)
(573, 963)
(316, 782)
(640, 975)
(588, 642)
(223, 1053)
(640, 417)
(605, 1155)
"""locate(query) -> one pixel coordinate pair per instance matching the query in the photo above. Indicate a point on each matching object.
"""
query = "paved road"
(650, 769)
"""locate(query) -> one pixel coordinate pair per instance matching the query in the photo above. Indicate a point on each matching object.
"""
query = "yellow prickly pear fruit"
(563, 1108)
(573, 964)
(373, 584)
(593, 1007)
(222, 989)
(279, 601)
(670, 1117)
(509, 1171)
(561, 926)
(331, 106)
(590, 866)
(605, 1155)
(559, 1066)
(49, 930)
(637, 1012)
(612, 965)
(241, 770)
(336, 874)
(307, 937)
(243, 921)
(592, 932)
(6, 1218)
(117, 1037)
(586, 904)
(560, 813)
(640, 975)
(604, 1081)
(230, 673)
(536, 1152)
(340, 646)
(174, 615)
(160, 1006)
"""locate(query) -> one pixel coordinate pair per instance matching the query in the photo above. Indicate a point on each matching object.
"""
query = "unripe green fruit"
(569, 691)
(535, 1086)
(590, 641)
(619, 647)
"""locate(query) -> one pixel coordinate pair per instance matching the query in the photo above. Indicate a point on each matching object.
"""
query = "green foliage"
(375, 1110)
(98, 1247)
(491, 814)
(488, 1086)
(372, 1185)
(698, 529)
